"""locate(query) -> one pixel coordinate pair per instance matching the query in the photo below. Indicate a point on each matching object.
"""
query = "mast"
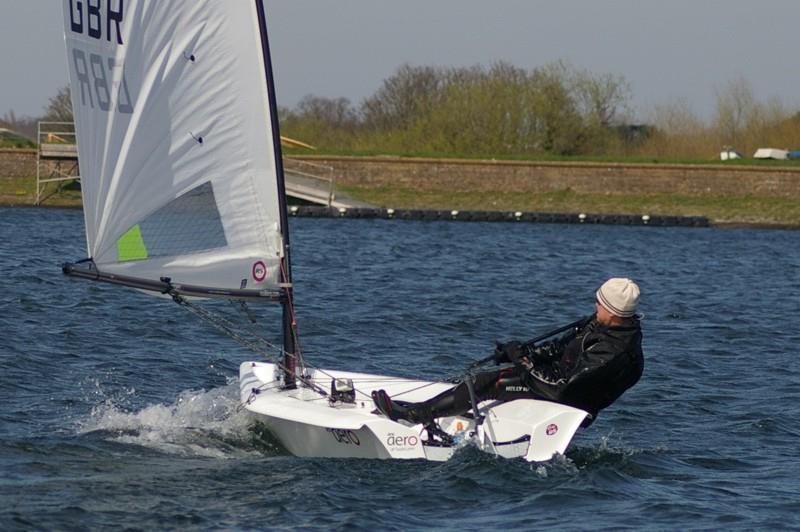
(289, 325)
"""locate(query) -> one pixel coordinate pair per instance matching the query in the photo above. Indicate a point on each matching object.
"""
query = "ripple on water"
(119, 409)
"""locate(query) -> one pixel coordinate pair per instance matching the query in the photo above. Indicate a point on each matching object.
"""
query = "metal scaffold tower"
(57, 157)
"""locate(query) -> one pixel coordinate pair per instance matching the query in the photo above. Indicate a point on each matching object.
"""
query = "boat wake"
(205, 423)
(210, 424)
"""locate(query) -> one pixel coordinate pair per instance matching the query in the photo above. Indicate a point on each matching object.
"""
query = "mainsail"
(180, 172)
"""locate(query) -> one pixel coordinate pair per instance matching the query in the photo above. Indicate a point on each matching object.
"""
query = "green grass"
(22, 191)
(17, 144)
(742, 210)
(541, 158)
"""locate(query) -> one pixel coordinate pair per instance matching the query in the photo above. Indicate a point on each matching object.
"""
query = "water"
(119, 410)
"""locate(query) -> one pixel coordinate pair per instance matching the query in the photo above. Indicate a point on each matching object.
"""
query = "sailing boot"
(395, 410)
(444, 404)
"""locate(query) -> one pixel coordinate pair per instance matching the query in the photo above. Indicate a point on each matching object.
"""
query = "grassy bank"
(22, 191)
(720, 210)
(788, 163)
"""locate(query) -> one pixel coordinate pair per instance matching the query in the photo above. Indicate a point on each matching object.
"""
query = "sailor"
(588, 367)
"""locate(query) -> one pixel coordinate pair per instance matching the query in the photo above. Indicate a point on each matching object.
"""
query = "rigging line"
(254, 393)
(397, 394)
(311, 382)
(244, 310)
(226, 326)
(230, 329)
(369, 396)
(415, 389)
(387, 380)
(449, 380)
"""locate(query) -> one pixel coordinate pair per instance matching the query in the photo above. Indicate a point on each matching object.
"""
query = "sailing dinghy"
(183, 196)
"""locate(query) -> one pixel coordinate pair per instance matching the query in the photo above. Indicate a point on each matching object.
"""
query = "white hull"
(308, 425)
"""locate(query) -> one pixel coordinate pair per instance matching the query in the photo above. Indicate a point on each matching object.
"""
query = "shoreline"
(763, 197)
(504, 216)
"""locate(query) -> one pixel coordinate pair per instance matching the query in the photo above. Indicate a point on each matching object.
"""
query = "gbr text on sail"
(91, 17)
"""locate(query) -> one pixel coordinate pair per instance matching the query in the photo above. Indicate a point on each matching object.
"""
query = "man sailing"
(588, 367)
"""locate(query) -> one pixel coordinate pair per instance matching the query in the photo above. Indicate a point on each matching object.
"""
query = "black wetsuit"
(588, 367)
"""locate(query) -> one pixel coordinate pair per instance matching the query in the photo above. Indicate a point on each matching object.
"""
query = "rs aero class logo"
(552, 428)
(259, 271)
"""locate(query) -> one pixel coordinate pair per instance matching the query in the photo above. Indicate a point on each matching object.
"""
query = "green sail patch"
(130, 246)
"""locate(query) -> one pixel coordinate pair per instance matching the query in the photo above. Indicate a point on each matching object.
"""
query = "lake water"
(120, 410)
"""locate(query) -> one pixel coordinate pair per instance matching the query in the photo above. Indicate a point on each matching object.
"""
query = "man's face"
(603, 315)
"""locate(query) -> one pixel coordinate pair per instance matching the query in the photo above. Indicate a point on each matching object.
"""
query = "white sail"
(175, 146)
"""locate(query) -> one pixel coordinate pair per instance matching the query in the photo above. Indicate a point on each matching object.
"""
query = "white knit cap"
(619, 296)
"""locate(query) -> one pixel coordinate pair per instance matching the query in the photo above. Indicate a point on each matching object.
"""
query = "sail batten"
(175, 135)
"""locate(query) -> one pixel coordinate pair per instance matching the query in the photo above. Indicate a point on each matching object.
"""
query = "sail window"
(131, 246)
(188, 224)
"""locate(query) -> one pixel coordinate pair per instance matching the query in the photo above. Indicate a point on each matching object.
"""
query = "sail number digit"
(348, 437)
(92, 74)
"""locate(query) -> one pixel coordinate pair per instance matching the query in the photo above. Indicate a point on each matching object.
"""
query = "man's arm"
(553, 378)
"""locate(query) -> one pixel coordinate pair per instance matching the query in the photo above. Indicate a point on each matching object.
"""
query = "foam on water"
(559, 465)
(199, 423)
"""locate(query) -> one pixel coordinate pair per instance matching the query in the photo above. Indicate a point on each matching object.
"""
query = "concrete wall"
(22, 164)
(17, 163)
(488, 176)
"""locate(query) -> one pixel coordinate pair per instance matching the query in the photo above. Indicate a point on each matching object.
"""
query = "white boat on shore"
(771, 153)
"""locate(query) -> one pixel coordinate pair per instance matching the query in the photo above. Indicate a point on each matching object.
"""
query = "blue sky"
(668, 50)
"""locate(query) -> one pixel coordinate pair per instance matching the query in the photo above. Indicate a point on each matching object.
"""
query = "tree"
(329, 122)
(735, 102)
(556, 115)
(604, 98)
(679, 132)
(59, 107)
(478, 111)
(25, 125)
(333, 112)
(403, 97)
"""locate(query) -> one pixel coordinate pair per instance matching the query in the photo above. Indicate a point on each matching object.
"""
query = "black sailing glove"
(543, 353)
(508, 352)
